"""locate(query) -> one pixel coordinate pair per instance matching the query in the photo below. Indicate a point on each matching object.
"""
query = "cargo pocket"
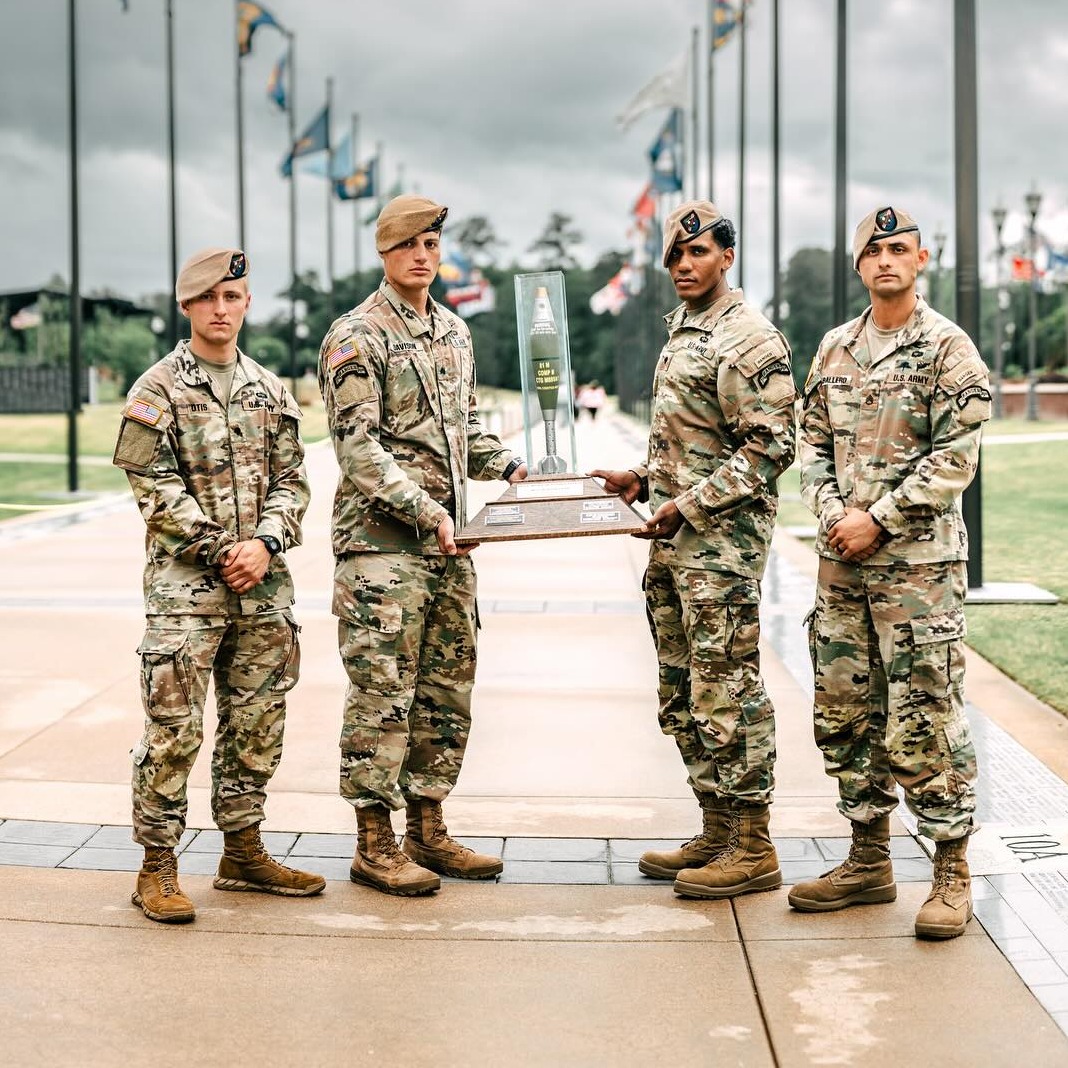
(368, 644)
(165, 683)
(937, 658)
(360, 743)
(290, 671)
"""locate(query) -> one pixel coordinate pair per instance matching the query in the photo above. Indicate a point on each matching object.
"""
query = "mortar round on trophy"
(545, 361)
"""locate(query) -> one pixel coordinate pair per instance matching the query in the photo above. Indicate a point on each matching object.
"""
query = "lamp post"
(998, 214)
(936, 275)
(1033, 200)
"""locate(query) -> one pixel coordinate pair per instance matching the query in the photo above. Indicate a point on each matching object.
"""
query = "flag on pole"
(613, 296)
(725, 17)
(250, 16)
(361, 184)
(1023, 269)
(473, 298)
(316, 138)
(645, 206)
(336, 166)
(669, 89)
(276, 85)
(666, 155)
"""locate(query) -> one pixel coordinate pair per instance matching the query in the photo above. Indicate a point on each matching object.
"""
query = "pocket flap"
(711, 588)
(383, 618)
(162, 642)
(943, 627)
(761, 356)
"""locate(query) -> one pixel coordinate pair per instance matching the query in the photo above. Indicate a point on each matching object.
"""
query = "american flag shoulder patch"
(143, 411)
(342, 354)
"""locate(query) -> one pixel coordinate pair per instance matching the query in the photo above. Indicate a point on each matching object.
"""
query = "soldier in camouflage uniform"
(397, 374)
(211, 444)
(722, 432)
(893, 409)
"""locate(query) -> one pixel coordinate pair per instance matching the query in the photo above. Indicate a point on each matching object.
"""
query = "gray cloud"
(504, 109)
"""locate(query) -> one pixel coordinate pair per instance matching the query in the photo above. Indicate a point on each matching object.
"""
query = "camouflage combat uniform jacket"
(722, 432)
(206, 476)
(400, 400)
(895, 433)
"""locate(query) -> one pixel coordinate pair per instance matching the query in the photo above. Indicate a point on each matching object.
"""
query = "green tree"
(477, 240)
(554, 246)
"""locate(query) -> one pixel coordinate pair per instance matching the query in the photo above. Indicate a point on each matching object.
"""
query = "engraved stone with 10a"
(545, 371)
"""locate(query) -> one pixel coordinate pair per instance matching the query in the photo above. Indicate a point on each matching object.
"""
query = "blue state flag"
(361, 184)
(316, 138)
(725, 17)
(666, 155)
(250, 17)
(276, 83)
(336, 166)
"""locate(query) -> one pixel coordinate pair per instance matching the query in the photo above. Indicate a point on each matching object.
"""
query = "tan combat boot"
(865, 877)
(695, 853)
(948, 907)
(378, 861)
(246, 865)
(158, 892)
(747, 864)
(427, 842)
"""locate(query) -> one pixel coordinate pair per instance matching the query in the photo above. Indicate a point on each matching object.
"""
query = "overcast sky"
(503, 108)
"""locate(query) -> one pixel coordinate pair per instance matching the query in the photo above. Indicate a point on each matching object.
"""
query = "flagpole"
(711, 7)
(291, 63)
(239, 91)
(172, 318)
(838, 274)
(695, 51)
(739, 261)
(75, 311)
(776, 208)
(966, 182)
(329, 202)
(356, 203)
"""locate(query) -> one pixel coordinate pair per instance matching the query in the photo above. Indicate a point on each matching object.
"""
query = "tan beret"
(404, 217)
(687, 221)
(208, 267)
(880, 224)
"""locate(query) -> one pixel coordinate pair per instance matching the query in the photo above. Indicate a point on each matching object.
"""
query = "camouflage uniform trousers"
(706, 627)
(407, 634)
(255, 661)
(887, 652)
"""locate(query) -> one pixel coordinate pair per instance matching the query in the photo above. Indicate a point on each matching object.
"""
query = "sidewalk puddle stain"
(735, 1032)
(631, 921)
(347, 921)
(838, 1011)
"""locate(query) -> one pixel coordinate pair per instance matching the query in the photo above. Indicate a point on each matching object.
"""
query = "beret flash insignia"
(238, 265)
(886, 220)
(690, 223)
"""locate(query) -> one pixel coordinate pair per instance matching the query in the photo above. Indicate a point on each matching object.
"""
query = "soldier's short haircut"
(723, 233)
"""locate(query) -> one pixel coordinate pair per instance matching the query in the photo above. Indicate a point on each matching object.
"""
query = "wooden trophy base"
(552, 506)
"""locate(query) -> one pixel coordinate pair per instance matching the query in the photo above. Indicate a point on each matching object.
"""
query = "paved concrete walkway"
(573, 959)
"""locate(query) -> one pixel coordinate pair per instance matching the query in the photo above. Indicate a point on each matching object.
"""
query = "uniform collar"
(908, 334)
(417, 325)
(706, 319)
(190, 372)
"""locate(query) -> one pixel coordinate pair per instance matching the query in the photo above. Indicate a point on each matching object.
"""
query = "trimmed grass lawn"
(1025, 519)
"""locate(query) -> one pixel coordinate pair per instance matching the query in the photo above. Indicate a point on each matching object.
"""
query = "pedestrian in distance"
(722, 432)
(893, 411)
(210, 442)
(397, 374)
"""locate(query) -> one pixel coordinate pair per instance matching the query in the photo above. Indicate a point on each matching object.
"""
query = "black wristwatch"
(511, 469)
(274, 546)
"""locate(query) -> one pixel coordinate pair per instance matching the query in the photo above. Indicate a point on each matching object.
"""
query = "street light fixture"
(1033, 200)
(998, 214)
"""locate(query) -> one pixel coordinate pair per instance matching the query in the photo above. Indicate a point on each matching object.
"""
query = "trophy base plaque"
(552, 506)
